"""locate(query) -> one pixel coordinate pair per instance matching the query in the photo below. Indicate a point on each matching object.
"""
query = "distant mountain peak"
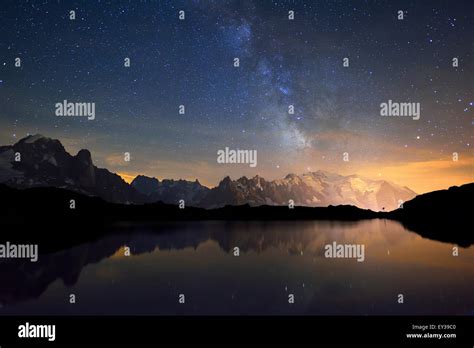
(226, 180)
(46, 163)
(33, 138)
(39, 141)
(84, 156)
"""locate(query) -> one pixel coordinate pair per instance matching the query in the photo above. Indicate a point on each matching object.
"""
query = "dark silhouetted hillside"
(442, 215)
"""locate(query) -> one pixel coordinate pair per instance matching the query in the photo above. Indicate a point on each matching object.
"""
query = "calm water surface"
(276, 259)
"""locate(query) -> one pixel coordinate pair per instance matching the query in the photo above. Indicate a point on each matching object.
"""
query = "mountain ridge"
(442, 215)
(38, 161)
(46, 163)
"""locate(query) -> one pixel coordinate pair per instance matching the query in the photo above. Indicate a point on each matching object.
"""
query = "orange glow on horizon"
(127, 177)
(425, 176)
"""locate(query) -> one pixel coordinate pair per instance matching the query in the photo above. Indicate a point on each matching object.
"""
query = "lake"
(277, 259)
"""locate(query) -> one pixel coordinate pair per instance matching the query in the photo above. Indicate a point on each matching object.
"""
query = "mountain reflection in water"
(276, 259)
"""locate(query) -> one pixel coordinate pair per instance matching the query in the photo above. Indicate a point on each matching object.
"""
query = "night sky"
(282, 62)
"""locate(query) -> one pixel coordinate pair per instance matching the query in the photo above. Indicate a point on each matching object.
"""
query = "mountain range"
(38, 161)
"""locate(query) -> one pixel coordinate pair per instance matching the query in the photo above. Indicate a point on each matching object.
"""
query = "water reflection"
(276, 259)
